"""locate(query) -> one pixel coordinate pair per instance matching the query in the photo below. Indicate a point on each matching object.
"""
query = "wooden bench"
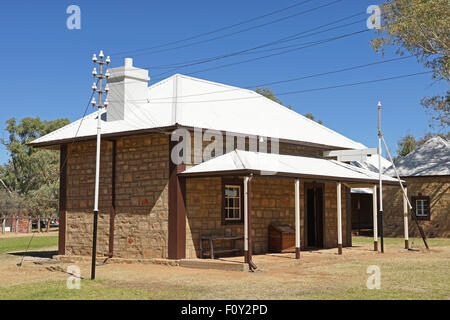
(210, 252)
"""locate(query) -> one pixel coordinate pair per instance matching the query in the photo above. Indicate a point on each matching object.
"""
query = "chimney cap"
(128, 62)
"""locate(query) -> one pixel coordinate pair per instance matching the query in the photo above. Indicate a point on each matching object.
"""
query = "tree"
(29, 168)
(266, 92)
(11, 205)
(310, 116)
(409, 143)
(421, 27)
(32, 173)
(405, 145)
(43, 203)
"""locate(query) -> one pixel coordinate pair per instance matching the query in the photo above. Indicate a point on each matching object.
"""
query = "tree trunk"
(16, 227)
(39, 225)
(30, 225)
(3, 225)
(48, 224)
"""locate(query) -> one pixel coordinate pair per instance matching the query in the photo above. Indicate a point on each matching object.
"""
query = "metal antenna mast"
(99, 105)
(413, 215)
(380, 211)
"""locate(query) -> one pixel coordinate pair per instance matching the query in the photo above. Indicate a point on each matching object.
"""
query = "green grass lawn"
(19, 244)
(413, 242)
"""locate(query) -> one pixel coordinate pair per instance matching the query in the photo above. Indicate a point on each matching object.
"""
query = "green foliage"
(408, 143)
(266, 92)
(309, 115)
(11, 204)
(32, 173)
(421, 27)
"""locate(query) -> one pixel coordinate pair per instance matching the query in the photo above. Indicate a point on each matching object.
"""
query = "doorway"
(314, 208)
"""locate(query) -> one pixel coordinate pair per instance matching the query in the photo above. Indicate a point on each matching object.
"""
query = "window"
(232, 202)
(421, 207)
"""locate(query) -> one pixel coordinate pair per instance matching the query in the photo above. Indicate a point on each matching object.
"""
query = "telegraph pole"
(99, 106)
(380, 213)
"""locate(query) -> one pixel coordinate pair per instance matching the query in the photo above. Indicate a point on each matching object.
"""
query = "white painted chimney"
(128, 86)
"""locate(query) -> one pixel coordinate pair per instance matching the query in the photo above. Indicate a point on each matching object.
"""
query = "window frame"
(238, 183)
(427, 209)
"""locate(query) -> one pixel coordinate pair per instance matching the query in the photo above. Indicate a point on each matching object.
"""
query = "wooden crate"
(281, 238)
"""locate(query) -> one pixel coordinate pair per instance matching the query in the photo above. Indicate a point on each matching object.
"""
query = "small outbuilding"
(426, 172)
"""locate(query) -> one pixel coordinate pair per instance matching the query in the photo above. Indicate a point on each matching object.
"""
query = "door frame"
(314, 185)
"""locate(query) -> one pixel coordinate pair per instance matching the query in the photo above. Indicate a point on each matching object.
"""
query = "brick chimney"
(128, 85)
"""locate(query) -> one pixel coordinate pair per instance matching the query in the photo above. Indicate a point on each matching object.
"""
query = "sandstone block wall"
(142, 171)
(272, 202)
(437, 188)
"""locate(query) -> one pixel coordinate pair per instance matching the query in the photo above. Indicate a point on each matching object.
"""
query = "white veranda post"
(297, 219)
(246, 219)
(339, 217)
(405, 217)
(375, 218)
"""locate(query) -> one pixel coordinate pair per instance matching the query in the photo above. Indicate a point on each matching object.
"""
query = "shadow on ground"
(35, 254)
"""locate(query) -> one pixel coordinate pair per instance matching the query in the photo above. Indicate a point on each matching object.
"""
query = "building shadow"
(35, 254)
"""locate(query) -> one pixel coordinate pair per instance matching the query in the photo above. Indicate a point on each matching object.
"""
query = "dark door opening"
(314, 214)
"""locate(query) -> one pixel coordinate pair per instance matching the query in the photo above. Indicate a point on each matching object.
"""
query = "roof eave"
(282, 175)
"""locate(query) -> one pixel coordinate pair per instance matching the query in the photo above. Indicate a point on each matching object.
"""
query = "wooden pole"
(375, 218)
(339, 217)
(405, 218)
(297, 219)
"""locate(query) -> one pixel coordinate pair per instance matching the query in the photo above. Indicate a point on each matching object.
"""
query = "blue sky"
(46, 67)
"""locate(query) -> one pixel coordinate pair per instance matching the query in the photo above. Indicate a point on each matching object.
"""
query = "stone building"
(187, 158)
(426, 172)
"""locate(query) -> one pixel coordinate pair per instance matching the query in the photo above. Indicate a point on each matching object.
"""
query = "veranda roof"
(240, 162)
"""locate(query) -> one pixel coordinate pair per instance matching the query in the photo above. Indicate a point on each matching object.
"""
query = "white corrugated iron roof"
(242, 162)
(430, 159)
(191, 102)
(370, 164)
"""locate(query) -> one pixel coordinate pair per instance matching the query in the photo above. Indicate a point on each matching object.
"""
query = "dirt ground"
(321, 274)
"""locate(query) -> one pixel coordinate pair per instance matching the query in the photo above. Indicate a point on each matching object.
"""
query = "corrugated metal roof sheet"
(284, 165)
(203, 104)
(430, 159)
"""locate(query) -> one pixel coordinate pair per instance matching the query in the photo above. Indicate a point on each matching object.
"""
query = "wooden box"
(281, 238)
